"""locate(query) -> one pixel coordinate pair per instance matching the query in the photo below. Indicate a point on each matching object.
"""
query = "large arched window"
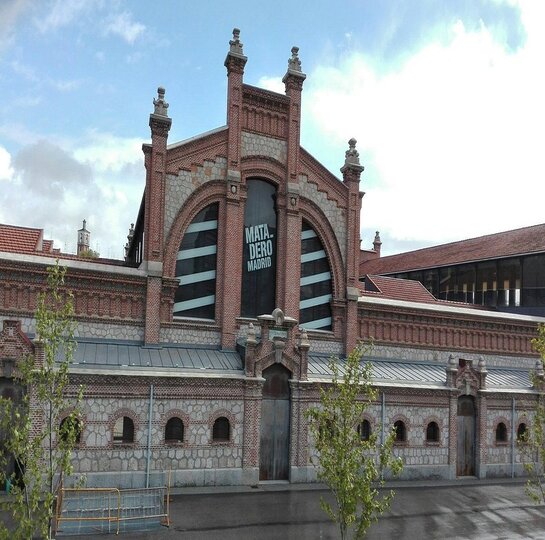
(315, 300)
(196, 267)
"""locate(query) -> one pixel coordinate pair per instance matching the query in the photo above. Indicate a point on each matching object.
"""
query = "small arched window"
(174, 430)
(501, 433)
(400, 431)
(70, 429)
(221, 430)
(124, 430)
(522, 432)
(364, 430)
(432, 432)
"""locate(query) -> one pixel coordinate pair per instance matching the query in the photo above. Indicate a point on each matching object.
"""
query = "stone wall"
(260, 145)
(179, 187)
(335, 215)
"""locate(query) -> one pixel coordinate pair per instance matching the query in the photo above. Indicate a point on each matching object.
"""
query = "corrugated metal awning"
(400, 372)
(107, 354)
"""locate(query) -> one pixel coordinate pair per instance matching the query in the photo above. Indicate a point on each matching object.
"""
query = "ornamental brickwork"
(122, 303)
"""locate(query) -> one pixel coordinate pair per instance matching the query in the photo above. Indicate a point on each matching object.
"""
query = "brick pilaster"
(289, 222)
(351, 172)
(232, 224)
(156, 156)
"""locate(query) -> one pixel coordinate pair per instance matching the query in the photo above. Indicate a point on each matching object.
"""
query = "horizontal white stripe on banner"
(317, 324)
(316, 278)
(313, 256)
(318, 301)
(197, 277)
(309, 233)
(196, 302)
(203, 226)
(185, 254)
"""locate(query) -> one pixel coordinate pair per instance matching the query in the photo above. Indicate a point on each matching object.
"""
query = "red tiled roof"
(492, 246)
(20, 239)
(398, 289)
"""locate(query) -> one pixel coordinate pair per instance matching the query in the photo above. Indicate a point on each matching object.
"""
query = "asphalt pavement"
(459, 509)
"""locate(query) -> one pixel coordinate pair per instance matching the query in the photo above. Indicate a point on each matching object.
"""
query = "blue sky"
(445, 99)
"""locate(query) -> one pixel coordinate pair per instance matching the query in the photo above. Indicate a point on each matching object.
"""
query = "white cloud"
(274, 84)
(452, 140)
(6, 170)
(64, 12)
(122, 24)
(99, 178)
(10, 12)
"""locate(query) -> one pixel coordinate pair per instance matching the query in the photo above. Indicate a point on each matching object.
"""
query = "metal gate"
(465, 455)
(275, 424)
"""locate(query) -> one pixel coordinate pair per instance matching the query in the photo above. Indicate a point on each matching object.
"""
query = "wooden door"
(275, 424)
(465, 460)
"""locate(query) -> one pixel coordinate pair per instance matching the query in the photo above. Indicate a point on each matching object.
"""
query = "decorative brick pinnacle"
(294, 64)
(235, 59)
(160, 104)
(294, 77)
(352, 156)
(235, 45)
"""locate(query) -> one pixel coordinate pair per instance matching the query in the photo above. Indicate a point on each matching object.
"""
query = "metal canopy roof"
(104, 354)
(109, 354)
(411, 373)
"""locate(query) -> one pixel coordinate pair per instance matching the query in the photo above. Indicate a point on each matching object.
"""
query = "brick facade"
(118, 304)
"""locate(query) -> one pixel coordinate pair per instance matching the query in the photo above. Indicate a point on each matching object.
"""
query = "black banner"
(259, 250)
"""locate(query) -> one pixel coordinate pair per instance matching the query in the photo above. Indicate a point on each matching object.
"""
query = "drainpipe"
(383, 419)
(513, 437)
(149, 433)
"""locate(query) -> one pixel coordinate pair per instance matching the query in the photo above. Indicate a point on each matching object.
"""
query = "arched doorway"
(465, 455)
(275, 424)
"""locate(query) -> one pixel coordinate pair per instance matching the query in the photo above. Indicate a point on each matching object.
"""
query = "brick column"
(351, 172)
(253, 392)
(453, 433)
(156, 156)
(289, 222)
(233, 218)
(481, 452)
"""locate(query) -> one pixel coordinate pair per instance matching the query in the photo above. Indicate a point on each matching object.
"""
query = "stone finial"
(84, 223)
(160, 104)
(304, 342)
(377, 242)
(294, 64)
(130, 236)
(452, 362)
(235, 45)
(481, 365)
(251, 336)
(352, 156)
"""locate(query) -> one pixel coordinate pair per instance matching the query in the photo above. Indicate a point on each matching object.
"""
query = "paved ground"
(447, 510)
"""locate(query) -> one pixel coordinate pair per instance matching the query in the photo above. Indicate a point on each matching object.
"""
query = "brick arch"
(263, 167)
(209, 193)
(222, 413)
(267, 361)
(119, 413)
(319, 222)
(80, 417)
(175, 413)
(427, 421)
(497, 421)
